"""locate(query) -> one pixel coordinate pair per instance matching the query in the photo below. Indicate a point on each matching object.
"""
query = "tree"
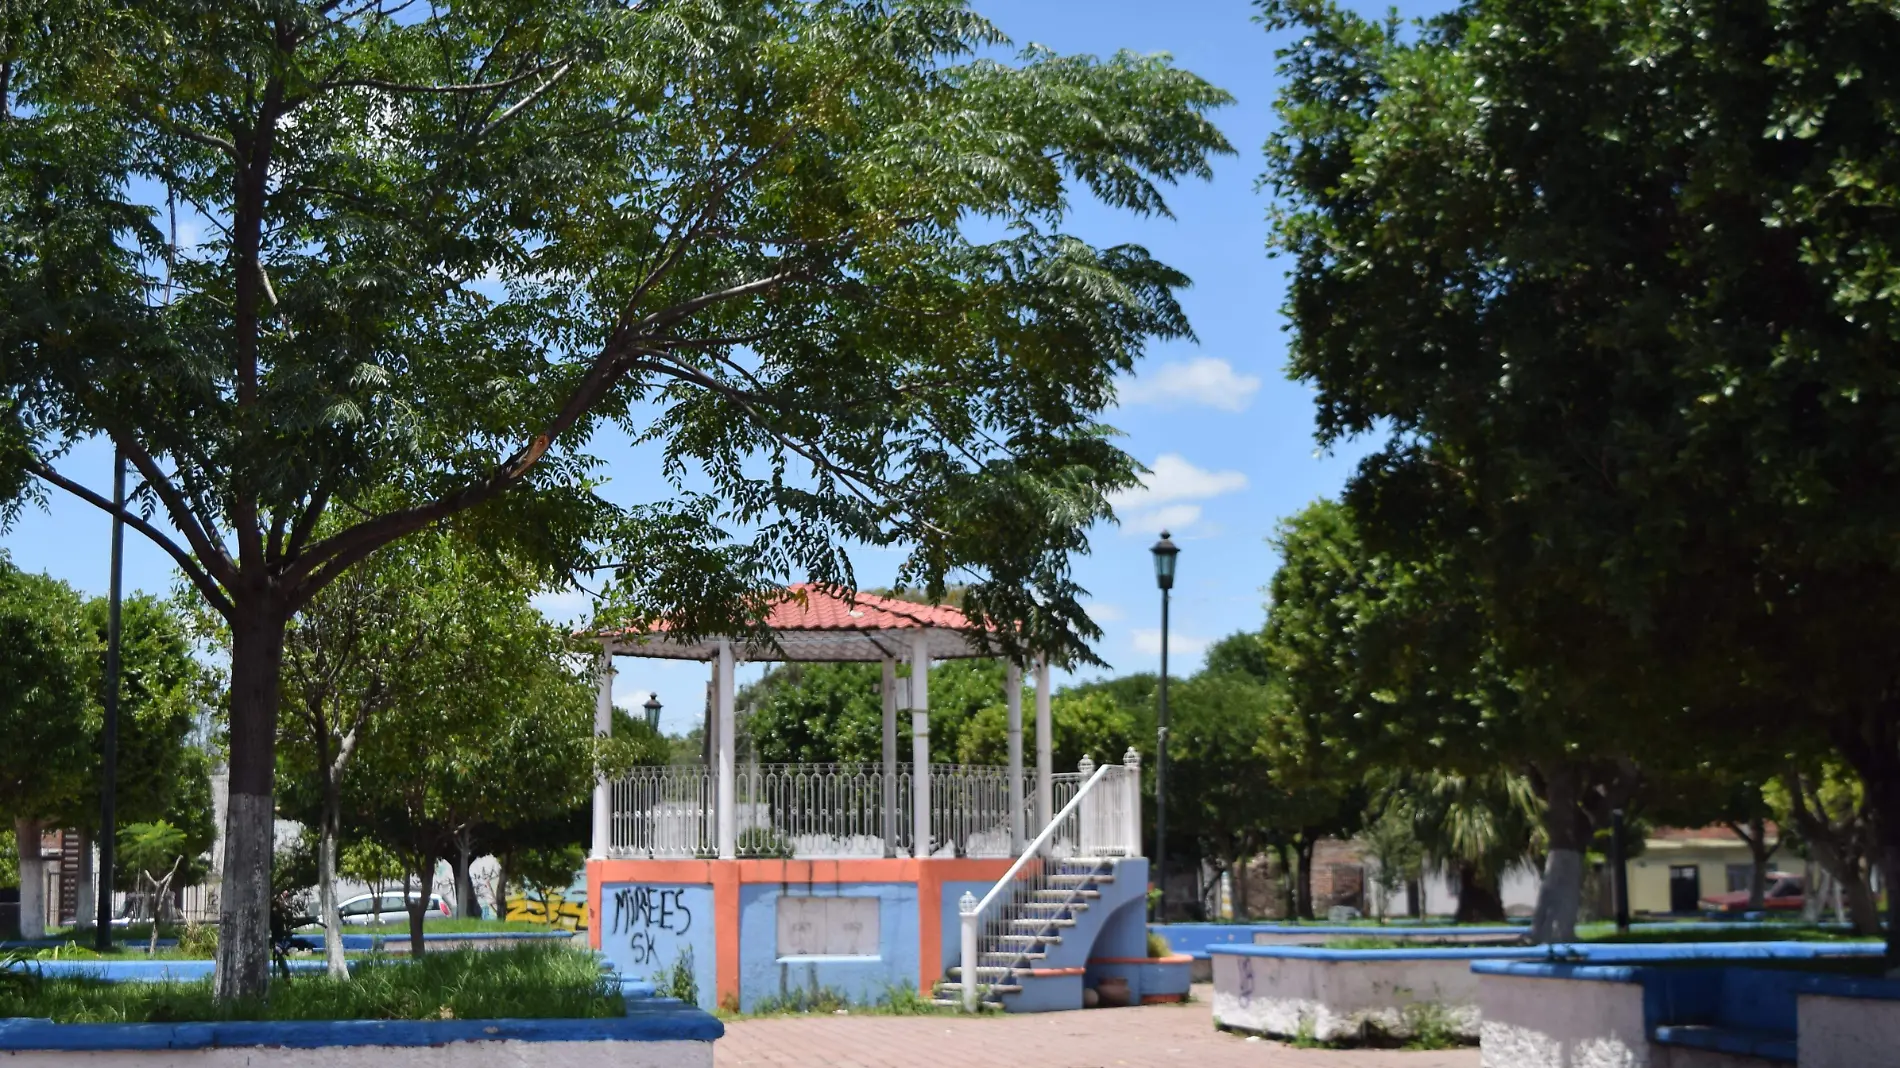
(47, 716)
(1480, 826)
(1827, 806)
(153, 853)
(1218, 774)
(491, 723)
(452, 244)
(1610, 283)
(352, 655)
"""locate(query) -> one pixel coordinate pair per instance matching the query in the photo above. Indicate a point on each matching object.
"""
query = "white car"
(368, 910)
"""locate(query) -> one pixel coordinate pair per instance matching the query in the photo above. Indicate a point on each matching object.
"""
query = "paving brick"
(1158, 1035)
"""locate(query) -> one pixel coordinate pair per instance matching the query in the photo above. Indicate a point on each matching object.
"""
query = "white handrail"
(1048, 834)
(1093, 819)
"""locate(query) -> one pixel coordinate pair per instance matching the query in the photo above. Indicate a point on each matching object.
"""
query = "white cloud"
(1148, 640)
(1168, 496)
(1204, 380)
(630, 700)
(1103, 612)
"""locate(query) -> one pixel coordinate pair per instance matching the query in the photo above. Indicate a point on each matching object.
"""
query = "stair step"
(957, 1003)
(1011, 956)
(1032, 939)
(1080, 896)
(1042, 922)
(1067, 879)
(1004, 970)
(1053, 906)
(948, 987)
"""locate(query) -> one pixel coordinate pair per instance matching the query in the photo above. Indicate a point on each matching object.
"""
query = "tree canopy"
(815, 253)
(1611, 286)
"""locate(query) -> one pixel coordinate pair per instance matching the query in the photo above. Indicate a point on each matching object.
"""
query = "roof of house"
(812, 622)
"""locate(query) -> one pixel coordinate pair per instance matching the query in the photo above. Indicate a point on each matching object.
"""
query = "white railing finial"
(1132, 759)
(1087, 767)
(966, 904)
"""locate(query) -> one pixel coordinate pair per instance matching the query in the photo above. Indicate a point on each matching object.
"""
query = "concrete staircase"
(1034, 961)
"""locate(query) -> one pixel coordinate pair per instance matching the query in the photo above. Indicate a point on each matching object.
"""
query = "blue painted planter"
(654, 1033)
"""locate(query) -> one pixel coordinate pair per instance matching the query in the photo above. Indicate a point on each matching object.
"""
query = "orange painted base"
(726, 876)
(1162, 999)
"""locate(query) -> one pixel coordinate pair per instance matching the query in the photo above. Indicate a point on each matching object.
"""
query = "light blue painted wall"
(952, 920)
(647, 927)
(863, 980)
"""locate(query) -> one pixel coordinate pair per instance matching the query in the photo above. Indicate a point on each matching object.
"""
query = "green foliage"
(824, 713)
(524, 982)
(547, 871)
(1605, 283)
(678, 981)
(9, 859)
(369, 862)
(198, 941)
(48, 713)
(1158, 946)
(152, 850)
(764, 842)
(734, 231)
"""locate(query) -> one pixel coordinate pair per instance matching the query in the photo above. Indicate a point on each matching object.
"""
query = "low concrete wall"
(1848, 1023)
(1348, 995)
(1575, 1017)
(655, 1033)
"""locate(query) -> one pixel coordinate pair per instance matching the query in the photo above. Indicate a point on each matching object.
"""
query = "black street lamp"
(1164, 552)
(109, 770)
(653, 710)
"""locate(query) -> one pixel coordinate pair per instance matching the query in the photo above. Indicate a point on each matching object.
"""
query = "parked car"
(369, 910)
(1785, 892)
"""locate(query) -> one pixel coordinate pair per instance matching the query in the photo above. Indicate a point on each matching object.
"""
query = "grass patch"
(897, 1000)
(522, 982)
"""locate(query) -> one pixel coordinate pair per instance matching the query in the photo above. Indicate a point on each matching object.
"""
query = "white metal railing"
(1099, 821)
(815, 810)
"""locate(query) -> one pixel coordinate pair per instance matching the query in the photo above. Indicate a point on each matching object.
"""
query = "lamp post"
(652, 708)
(109, 770)
(1164, 553)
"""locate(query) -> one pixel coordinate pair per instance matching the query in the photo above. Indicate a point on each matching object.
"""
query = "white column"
(888, 693)
(920, 745)
(1045, 749)
(603, 726)
(1013, 701)
(728, 785)
(1132, 761)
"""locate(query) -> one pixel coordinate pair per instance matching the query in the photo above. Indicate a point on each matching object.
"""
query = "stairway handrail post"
(967, 908)
(1131, 760)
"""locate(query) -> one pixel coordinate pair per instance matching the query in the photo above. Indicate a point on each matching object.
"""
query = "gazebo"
(729, 812)
(741, 883)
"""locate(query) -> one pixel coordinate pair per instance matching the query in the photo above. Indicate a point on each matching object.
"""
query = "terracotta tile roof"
(825, 623)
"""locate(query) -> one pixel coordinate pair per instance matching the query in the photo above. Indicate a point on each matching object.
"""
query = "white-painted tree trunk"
(244, 899)
(32, 879)
(1559, 898)
(326, 902)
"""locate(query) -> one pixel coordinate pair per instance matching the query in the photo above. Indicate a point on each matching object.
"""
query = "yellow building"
(1680, 866)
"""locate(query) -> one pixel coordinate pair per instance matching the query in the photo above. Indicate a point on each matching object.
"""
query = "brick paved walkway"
(1157, 1035)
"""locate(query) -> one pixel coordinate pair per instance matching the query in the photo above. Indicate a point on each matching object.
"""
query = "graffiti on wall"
(565, 911)
(655, 932)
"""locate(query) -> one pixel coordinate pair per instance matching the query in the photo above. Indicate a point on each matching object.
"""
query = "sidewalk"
(1153, 1035)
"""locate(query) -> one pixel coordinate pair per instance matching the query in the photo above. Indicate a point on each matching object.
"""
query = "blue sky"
(1229, 439)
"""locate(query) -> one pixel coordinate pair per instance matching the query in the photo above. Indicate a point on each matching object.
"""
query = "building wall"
(637, 910)
(1649, 873)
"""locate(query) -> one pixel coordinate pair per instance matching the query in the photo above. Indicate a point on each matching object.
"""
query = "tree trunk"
(326, 884)
(1872, 746)
(1240, 887)
(26, 834)
(1303, 901)
(465, 903)
(1560, 896)
(244, 900)
(1289, 897)
(1758, 854)
(1478, 898)
(501, 886)
(417, 904)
